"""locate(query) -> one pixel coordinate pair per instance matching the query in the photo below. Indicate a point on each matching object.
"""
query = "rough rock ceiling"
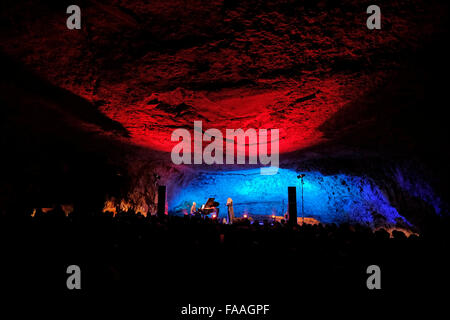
(233, 64)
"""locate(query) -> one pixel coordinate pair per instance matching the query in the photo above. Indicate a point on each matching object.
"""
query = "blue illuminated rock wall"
(332, 198)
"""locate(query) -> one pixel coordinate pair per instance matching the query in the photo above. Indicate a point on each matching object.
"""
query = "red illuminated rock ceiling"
(157, 66)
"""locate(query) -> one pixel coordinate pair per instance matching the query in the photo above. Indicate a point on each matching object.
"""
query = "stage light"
(214, 216)
(245, 216)
(273, 216)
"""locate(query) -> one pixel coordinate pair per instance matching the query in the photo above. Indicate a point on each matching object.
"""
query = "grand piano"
(209, 207)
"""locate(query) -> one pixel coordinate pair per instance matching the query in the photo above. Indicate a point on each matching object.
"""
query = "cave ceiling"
(154, 67)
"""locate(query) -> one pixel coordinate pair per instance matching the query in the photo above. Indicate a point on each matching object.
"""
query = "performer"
(230, 211)
(194, 208)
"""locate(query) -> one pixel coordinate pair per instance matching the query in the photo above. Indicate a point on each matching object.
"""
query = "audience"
(129, 244)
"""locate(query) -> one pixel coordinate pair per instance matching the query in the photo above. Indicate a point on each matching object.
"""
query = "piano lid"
(209, 203)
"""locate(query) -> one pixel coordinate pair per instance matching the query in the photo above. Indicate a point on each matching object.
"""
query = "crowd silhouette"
(130, 251)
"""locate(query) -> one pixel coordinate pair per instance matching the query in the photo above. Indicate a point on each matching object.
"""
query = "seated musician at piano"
(193, 208)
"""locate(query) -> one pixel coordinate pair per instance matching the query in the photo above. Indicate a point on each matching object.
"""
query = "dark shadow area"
(406, 118)
(16, 77)
(55, 146)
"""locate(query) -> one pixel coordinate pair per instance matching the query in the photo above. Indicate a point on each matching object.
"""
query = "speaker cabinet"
(292, 207)
(161, 201)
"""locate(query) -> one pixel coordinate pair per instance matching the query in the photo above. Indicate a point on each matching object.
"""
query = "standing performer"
(230, 211)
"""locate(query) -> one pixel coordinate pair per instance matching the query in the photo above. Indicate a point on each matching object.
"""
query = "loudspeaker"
(161, 201)
(292, 207)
